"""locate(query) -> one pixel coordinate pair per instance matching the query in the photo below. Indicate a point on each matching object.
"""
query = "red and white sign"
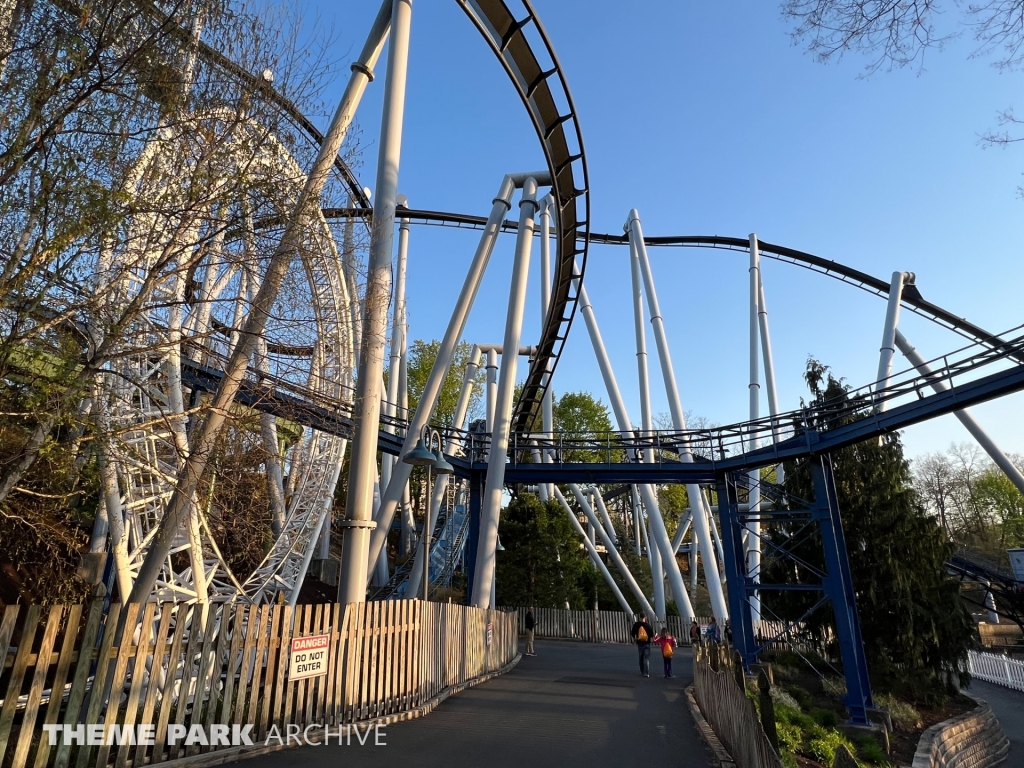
(308, 656)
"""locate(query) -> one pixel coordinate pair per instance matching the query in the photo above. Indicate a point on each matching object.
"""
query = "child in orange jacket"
(667, 643)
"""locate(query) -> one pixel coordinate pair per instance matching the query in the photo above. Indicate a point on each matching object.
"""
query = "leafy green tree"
(421, 359)
(543, 563)
(1005, 504)
(916, 629)
(581, 416)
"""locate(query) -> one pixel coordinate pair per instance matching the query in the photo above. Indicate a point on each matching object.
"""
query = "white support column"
(613, 553)
(625, 426)
(987, 443)
(366, 407)
(381, 574)
(990, 603)
(395, 390)
(191, 475)
(595, 557)
(635, 499)
(657, 579)
(694, 552)
(700, 524)
(603, 511)
(492, 388)
(681, 529)
(754, 395)
(456, 325)
(547, 404)
(888, 348)
(490, 511)
(769, 369)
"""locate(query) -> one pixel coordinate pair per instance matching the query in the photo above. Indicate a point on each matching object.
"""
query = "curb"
(721, 757)
(231, 755)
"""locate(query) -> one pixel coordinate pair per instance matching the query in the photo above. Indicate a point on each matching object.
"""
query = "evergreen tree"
(917, 631)
(543, 563)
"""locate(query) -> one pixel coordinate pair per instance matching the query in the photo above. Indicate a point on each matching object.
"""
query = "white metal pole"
(490, 510)
(625, 426)
(366, 407)
(987, 443)
(398, 345)
(636, 235)
(646, 421)
(754, 395)
(609, 545)
(603, 511)
(635, 498)
(888, 348)
(990, 603)
(547, 404)
(596, 558)
(769, 369)
(428, 399)
(492, 388)
(191, 475)
(681, 529)
(694, 553)
(657, 580)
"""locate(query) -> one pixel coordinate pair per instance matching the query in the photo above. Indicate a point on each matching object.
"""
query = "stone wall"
(972, 740)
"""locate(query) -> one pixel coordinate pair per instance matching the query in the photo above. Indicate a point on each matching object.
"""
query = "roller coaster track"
(521, 44)
(911, 296)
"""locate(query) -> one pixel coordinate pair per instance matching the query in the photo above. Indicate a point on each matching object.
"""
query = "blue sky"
(707, 119)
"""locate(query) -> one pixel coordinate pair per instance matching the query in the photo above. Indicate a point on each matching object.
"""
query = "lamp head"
(419, 456)
(441, 465)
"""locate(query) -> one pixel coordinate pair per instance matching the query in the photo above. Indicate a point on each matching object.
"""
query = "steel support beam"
(363, 461)
(502, 426)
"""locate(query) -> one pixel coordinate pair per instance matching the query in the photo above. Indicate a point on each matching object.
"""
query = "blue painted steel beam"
(839, 588)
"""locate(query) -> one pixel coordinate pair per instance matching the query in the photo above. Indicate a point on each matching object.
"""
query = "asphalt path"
(1008, 706)
(574, 704)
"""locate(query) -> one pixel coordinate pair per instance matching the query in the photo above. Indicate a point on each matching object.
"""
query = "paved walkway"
(1008, 706)
(573, 704)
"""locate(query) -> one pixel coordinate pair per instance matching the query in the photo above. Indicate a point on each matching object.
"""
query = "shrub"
(834, 687)
(780, 696)
(825, 718)
(904, 716)
(801, 694)
(790, 737)
(824, 745)
(870, 751)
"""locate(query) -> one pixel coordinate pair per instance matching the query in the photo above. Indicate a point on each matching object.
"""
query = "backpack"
(666, 649)
(641, 634)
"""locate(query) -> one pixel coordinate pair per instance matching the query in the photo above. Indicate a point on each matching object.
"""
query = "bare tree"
(899, 33)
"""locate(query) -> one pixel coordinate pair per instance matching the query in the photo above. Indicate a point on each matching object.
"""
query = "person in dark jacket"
(530, 624)
(642, 634)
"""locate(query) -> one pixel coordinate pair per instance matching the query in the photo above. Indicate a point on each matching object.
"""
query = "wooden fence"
(730, 713)
(614, 627)
(180, 665)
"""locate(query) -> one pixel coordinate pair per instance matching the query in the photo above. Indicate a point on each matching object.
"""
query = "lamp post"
(433, 460)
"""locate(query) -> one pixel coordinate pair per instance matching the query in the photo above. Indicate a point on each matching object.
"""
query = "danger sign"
(308, 657)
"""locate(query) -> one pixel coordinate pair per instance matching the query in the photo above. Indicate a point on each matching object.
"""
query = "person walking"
(694, 632)
(530, 624)
(668, 644)
(642, 634)
(713, 633)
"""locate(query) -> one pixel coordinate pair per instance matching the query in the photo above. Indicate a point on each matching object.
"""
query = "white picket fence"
(1001, 670)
